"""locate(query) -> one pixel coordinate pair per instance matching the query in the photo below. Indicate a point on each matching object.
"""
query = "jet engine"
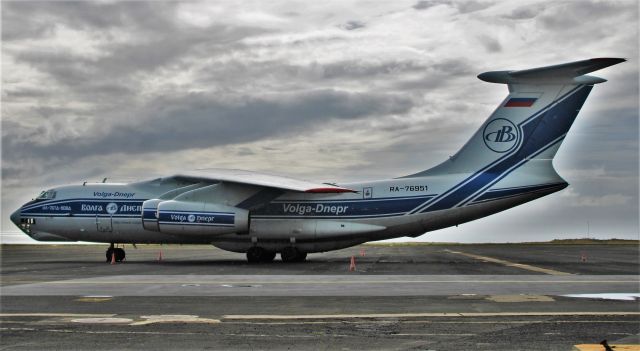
(193, 218)
(150, 214)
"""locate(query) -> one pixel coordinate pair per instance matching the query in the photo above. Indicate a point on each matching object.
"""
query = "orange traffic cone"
(362, 252)
(160, 256)
(352, 266)
(113, 257)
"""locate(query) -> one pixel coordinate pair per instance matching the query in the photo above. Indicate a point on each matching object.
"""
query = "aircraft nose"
(15, 217)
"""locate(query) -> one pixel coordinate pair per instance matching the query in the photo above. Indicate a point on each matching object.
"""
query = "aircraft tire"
(255, 254)
(267, 256)
(291, 254)
(109, 253)
(302, 256)
(120, 254)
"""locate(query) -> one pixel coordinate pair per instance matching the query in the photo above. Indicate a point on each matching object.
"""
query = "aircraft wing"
(260, 179)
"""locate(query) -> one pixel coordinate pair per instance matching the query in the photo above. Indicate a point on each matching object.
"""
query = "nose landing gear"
(117, 251)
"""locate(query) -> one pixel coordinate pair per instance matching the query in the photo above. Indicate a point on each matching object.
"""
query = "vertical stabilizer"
(531, 122)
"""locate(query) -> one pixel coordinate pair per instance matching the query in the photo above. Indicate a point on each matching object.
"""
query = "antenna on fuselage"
(104, 180)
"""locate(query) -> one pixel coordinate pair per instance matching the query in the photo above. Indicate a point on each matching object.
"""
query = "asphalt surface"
(435, 297)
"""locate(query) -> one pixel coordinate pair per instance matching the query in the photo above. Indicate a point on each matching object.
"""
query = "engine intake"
(150, 214)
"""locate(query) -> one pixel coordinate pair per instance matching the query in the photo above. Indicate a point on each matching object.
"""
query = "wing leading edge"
(261, 179)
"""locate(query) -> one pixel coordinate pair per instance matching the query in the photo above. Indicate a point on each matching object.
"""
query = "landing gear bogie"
(291, 254)
(117, 251)
(257, 254)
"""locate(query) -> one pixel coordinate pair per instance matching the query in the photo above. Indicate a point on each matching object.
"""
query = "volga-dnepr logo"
(501, 135)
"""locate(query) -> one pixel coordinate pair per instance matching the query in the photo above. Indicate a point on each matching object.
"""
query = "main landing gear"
(257, 254)
(291, 254)
(119, 253)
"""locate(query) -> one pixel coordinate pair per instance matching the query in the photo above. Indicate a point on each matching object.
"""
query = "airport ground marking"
(174, 318)
(509, 264)
(599, 347)
(428, 321)
(414, 315)
(88, 315)
(433, 334)
(242, 284)
(72, 331)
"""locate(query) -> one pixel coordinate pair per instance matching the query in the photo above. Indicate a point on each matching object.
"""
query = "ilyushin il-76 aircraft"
(506, 163)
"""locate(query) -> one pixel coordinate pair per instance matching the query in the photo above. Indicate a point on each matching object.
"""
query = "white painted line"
(102, 320)
(609, 296)
(338, 282)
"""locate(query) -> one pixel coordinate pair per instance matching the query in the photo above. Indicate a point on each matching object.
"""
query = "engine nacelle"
(150, 214)
(200, 218)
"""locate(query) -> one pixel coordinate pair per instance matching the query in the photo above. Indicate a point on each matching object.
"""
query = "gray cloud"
(525, 12)
(314, 72)
(490, 44)
(200, 120)
(35, 19)
(353, 25)
(461, 6)
(567, 14)
(114, 71)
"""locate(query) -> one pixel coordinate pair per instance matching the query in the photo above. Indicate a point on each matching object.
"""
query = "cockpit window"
(47, 195)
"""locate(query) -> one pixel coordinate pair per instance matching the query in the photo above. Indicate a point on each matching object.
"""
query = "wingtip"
(610, 60)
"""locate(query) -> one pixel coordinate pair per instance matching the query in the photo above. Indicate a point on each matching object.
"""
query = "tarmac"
(398, 297)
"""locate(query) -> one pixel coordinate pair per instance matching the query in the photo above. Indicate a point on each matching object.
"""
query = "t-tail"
(512, 152)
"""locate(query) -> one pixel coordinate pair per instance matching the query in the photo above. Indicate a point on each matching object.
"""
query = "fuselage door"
(104, 224)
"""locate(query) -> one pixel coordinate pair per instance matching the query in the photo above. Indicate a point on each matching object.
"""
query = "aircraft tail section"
(514, 147)
(531, 122)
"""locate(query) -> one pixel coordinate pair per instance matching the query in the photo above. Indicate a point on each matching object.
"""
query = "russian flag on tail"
(520, 102)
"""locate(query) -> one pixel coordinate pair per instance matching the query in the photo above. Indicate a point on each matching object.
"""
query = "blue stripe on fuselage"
(361, 208)
(84, 207)
(196, 218)
(341, 208)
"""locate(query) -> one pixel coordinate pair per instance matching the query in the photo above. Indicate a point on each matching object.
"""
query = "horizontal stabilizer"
(566, 73)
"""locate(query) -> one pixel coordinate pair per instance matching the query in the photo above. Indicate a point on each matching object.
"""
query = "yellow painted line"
(598, 347)
(510, 264)
(55, 315)
(174, 318)
(76, 331)
(410, 315)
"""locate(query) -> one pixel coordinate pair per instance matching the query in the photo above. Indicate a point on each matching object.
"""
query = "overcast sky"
(327, 91)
